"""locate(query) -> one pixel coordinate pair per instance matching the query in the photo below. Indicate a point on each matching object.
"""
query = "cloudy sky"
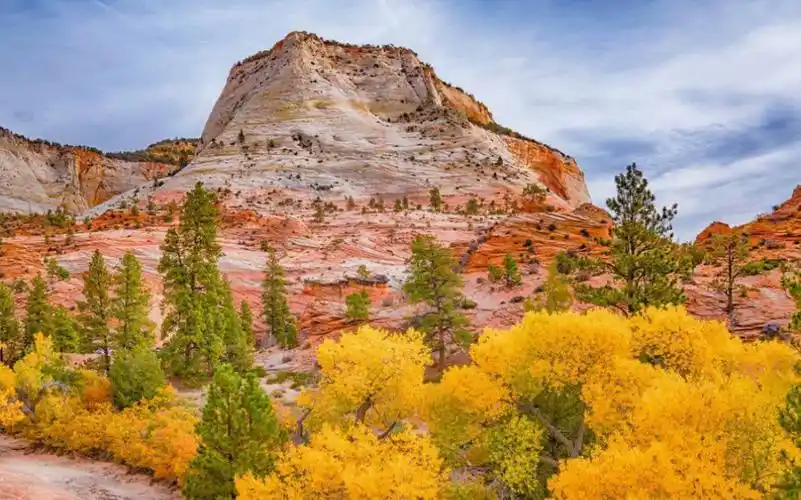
(705, 95)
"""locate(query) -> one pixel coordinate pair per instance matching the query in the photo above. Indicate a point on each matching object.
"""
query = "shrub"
(135, 375)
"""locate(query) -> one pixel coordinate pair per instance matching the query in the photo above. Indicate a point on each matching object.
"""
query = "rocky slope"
(357, 130)
(311, 118)
(774, 236)
(36, 175)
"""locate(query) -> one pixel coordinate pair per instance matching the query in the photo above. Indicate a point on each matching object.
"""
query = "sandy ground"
(36, 476)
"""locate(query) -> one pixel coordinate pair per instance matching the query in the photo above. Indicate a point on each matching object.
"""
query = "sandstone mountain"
(36, 175)
(328, 152)
(312, 118)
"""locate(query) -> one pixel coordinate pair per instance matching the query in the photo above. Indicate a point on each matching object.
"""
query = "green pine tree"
(790, 420)
(433, 280)
(435, 198)
(246, 318)
(136, 374)
(730, 251)
(646, 264)
(192, 288)
(511, 274)
(237, 347)
(131, 305)
(280, 323)
(555, 295)
(11, 335)
(239, 433)
(66, 331)
(358, 306)
(38, 313)
(96, 309)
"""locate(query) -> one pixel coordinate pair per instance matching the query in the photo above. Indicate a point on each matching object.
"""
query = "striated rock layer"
(36, 176)
(312, 118)
(776, 235)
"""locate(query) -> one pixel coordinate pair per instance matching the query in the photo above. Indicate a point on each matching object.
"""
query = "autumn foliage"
(72, 411)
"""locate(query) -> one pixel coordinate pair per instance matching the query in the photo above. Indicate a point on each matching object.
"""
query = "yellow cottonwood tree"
(352, 464)
(371, 376)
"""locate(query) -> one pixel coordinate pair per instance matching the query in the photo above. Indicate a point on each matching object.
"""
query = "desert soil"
(28, 475)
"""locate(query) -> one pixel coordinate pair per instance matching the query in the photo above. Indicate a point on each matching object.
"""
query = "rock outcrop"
(312, 118)
(37, 176)
(775, 236)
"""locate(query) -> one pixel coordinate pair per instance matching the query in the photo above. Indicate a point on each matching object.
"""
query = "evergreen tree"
(280, 323)
(237, 347)
(136, 374)
(511, 273)
(38, 314)
(131, 305)
(435, 198)
(644, 260)
(96, 308)
(246, 319)
(239, 433)
(66, 331)
(555, 296)
(433, 279)
(731, 252)
(192, 286)
(358, 306)
(11, 338)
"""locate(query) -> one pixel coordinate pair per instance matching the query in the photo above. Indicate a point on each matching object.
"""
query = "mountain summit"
(314, 118)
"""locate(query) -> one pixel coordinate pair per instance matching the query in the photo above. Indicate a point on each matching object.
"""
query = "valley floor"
(26, 475)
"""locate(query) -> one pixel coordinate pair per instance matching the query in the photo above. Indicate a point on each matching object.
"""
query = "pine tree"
(237, 347)
(435, 198)
(96, 308)
(131, 305)
(433, 279)
(280, 323)
(11, 338)
(644, 260)
(511, 273)
(246, 318)
(555, 296)
(38, 314)
(66, 331)
(239, 433)
(192, 285)
(731, 252)
(136, 374)
(358, 306)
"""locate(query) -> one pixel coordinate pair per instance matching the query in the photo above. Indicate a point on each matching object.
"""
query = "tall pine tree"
(280, 323)
(433, 280)
(239, 433)
(643, 259)
(11, 338)
(194, 293)
(246, 318)
(38, 313)
(131, 304)
(730, 251)
(96, 308)
(66, 331)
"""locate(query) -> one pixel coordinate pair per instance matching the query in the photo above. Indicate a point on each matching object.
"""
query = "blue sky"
(704, 95)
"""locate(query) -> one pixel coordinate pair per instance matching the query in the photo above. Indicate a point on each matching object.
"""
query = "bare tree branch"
(579, 442)
(556, 433)
(387, 432)
(297, 436)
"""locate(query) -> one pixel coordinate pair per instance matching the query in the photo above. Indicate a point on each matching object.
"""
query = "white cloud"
(126, 72)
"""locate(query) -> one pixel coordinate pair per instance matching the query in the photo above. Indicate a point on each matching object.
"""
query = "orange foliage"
(155, 434)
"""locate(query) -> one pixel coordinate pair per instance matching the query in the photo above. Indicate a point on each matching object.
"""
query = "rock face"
(312, 118)
(762, 301)
(36, 176)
